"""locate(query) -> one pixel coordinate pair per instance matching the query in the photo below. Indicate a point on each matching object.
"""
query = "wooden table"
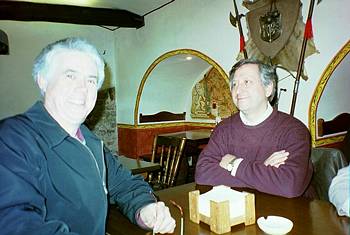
(137, 166)
(310, 217)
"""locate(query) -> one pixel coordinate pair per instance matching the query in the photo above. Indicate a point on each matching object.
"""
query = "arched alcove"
(193, 62)
(331, 98)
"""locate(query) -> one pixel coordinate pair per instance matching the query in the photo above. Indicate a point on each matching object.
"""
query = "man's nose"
(81, 82)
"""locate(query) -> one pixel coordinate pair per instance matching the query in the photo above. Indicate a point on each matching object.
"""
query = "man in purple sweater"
(259, 147)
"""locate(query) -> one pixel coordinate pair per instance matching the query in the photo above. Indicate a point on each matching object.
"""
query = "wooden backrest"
(167, 151)
(162, 116)
(340, 123)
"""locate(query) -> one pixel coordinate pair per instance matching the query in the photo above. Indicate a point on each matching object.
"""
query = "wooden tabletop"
(137, 166)
(309, 216)
(191, 134)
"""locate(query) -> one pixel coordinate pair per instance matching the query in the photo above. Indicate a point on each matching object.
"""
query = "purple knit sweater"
(255, 144)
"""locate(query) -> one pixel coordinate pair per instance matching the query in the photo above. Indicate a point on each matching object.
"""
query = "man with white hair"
(56, 175)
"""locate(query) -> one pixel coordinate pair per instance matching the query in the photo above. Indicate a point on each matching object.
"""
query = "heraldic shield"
(271, 25)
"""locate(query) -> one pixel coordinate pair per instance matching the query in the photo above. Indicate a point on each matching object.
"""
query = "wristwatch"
(231, 164)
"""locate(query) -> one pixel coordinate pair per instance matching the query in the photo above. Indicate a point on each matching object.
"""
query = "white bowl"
(275, 225)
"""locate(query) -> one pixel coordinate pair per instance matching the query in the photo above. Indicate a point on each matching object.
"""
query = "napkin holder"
(220, 220)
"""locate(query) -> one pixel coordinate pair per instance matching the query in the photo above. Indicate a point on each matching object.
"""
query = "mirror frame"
(163, 57)
(327, 73)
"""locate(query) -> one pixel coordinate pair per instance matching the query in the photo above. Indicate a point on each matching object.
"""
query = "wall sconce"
(4, 43)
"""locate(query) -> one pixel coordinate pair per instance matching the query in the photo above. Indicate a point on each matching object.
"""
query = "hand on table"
(277, 158)
(157, 216)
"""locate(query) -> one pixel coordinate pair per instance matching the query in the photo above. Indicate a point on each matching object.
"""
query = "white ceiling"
(140, 7)
(178, 68)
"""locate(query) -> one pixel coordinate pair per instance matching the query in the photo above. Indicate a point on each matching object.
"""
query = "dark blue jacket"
(50, 183)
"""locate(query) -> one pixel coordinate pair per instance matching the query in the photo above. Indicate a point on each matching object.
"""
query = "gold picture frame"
(315, 139)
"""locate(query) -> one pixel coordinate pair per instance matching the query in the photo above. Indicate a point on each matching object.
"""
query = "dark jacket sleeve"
(129, 192)
(22, 207)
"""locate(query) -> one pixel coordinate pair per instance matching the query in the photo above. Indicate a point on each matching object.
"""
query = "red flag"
(308, 30)
(241, 43)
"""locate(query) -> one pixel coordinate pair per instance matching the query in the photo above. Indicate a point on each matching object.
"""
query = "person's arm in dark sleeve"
(22, 207)
(129, 192)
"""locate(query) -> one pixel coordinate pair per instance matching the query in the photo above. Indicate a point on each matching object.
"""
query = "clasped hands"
(157, 216)
(276, 159)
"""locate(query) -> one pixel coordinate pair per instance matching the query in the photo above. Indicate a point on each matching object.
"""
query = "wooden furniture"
(137, 166)
(220, 219)
(162, 117)
(311, 217)
(199, 136)
(166, 151)
(195, 141)
(338, 124)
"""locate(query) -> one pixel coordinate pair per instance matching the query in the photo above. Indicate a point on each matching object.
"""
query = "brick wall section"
(137, 142)
(102, 119)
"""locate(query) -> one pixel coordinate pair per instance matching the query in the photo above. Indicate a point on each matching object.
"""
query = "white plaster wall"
(182, 24)
(203, 25)
(170, 82)
(17, 90)
(331, 104)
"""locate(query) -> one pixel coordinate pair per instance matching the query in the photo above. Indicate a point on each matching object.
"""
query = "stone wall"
(102, 119)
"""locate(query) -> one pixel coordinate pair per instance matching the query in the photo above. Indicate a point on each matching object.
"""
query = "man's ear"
(268, 90)
(42, 83)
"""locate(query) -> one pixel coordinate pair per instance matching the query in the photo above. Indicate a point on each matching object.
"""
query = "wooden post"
(220, 217)
(249, 209)
(301, 62)
(241, 36)
(194, 206)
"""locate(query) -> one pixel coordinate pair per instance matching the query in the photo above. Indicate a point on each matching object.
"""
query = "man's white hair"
(42, 62)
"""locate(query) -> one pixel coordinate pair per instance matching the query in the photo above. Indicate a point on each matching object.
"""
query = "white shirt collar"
(259, 120)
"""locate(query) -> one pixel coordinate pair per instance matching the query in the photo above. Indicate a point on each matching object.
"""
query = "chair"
(326, 163)
(167, 151)
(338, 124)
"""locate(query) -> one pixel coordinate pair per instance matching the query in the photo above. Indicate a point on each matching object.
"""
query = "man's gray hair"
(267, 72)
(42, 62)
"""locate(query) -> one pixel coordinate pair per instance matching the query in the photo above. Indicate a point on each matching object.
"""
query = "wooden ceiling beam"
(28, 11)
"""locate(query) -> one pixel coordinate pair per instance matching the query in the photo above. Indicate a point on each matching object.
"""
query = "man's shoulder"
(18, 129)
(289, 121)
(226, 125)
(231, 120)
(20, 122)
(14, 123)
